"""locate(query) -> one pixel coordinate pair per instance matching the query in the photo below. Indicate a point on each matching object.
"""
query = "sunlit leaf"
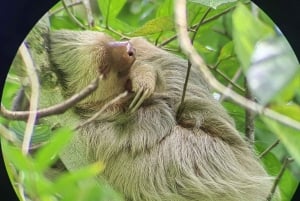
(212, 3)
(165, 9)
(49, 152)
(62, 22)
(226, 51)
(288, 136)
(155, 26)
(15, 156)
(83, 173)
(110, 8)
(247, 31)
(290, 110)
(273, 65)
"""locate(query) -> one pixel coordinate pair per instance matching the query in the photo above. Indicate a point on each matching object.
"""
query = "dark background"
(19, 16)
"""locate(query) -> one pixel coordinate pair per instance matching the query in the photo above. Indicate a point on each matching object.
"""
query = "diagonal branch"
(55, 109)
(97, 114)
(189, 50)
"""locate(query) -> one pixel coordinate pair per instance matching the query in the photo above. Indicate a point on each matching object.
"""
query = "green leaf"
(9, 91)
(273, 66)
(226, 51)
(290, 91)
(110, 8)
(48, 153)
(62, 22)
(14, 155)
(41, 132)
(290, 110)
(247, 31)
(70, 179)
(212, 3)
(290, 137)
(155, 26)
(36, 183)
(288, 183)
(165, 9)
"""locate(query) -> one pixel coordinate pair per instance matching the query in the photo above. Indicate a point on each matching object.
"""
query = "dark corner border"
(16, 19)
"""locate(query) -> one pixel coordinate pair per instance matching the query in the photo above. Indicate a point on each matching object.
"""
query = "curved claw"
(139, 98)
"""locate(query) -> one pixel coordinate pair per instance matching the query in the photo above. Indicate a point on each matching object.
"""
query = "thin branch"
(92, 118)
(286, 162)
(189, 50)
(90, 18)
(62, 8)
(267, 150)
(199, 24)
(117, 33)
(55, 109)
(195, 25)
(73, 18)
(249, 118)
(189, 63)
(232, 83)
(167, 41)
(34, 98)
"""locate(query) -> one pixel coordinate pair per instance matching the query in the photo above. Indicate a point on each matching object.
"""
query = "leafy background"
(237, 41)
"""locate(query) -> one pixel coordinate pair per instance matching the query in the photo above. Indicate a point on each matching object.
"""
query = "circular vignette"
(18, 17)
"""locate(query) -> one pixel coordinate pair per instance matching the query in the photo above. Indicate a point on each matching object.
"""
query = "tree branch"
(97, 114)
(189, 50)
(286, 162)
(34, 97)
(90, 18)
(269, 149)
(55, 109)
(232, 83)
(73, 18)
(249, 118)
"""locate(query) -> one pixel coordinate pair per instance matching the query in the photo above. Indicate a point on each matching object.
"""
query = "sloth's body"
(150, 154)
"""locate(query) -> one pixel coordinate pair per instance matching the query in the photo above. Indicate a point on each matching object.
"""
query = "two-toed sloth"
(150, 152)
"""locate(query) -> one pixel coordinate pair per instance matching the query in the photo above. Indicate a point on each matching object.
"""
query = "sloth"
(154, 147)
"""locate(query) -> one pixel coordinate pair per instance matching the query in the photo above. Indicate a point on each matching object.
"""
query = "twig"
(62, 8)
(167, 41)
(73, 18)
(249, 118)
(189, 50)
(189, 63)
(34, 98)
(90, 18)
(55, 109)
(267, 150)
(92, 118)
(232, 83)
(199, 24)
(286, 162)
(195, 25)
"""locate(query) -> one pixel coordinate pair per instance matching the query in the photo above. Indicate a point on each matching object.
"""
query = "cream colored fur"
(152, 154)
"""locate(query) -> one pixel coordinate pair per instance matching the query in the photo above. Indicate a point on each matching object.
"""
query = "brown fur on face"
(79, 57)
(151, 154)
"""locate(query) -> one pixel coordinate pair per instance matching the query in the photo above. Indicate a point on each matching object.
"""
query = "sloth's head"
(78, 57)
